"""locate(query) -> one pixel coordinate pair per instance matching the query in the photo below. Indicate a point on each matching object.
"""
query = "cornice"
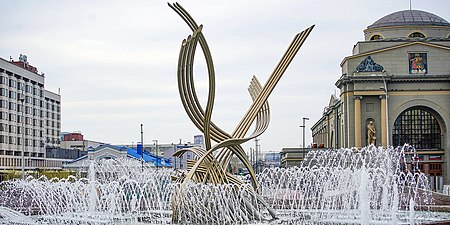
(406, 27)
(392, 48)
(392, 78)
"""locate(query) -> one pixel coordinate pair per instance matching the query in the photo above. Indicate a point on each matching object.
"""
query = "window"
(376, 37)
(12, 129)
(12, 106)
(12, 83)
(3, 116)
(417, 35)
(3, 104)
(3, 92)
(3, 80)
(12, 94)
(417, 127)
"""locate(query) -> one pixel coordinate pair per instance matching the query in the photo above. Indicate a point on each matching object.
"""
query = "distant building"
(292, 156)
(395, 89)
(112, 151)
(181, 162)
(167, 151)
(272, 159)
(65, 154)
(30, 117)
(75, 136)
(75, 140)
(199, 140)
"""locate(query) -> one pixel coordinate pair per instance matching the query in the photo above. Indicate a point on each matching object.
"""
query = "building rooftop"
(410, 18)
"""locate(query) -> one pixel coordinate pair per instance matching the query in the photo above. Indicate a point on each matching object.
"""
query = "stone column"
(383, 121)
(358, 121)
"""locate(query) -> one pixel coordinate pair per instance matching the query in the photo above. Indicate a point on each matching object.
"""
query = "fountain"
(371, 185)
(368, 186)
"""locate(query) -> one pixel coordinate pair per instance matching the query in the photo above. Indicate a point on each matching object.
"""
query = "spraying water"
(370, 186)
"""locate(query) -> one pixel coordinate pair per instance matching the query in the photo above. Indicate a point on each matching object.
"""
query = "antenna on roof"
(410, 4)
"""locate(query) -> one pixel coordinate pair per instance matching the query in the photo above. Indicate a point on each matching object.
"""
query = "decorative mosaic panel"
(418, 63)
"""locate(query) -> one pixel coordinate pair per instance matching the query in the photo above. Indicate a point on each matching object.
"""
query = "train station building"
(395, 89)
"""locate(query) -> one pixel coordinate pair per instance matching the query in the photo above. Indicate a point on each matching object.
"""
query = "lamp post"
(303, 126)
(156, 149)
(142, 143)
(387, 111)
(256, 155)
(251, 158)
(22, 100)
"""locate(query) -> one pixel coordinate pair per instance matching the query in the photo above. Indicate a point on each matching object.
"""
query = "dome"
(410, 18)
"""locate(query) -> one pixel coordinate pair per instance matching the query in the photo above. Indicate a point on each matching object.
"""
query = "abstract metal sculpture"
(209, 166)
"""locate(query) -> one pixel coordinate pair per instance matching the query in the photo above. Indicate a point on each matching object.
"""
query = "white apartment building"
(30, 117)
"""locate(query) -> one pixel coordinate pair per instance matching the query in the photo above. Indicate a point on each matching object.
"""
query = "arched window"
(418, 127)
(376, 37)
(417, 35)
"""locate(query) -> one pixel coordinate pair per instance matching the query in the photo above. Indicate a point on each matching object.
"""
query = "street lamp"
(303, 126)
(22, 100)
(156, 143)
(387, 111)
(142, 146)
(257, 154)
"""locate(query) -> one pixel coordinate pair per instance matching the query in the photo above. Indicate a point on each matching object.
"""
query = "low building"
(112, 151)
(272, 159)
(181, 162)
(292, 156)
(75, 140)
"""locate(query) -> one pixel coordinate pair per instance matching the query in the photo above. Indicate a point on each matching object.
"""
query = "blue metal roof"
(76, 160)
(132, 153)
(149, 157)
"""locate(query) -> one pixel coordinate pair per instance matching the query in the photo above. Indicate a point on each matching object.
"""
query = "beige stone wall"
(395, 32)
(395, 61)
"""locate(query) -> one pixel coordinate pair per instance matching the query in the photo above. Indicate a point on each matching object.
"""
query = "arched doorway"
(419, 127)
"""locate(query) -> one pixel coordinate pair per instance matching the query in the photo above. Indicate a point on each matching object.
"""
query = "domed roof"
(408, 18)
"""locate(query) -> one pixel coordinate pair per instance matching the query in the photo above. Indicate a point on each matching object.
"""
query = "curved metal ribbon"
(209, 168)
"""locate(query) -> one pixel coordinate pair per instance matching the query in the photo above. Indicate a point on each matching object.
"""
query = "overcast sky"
(115, 62)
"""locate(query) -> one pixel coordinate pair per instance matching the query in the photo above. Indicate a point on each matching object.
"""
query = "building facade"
(395, 89)
(30, 117)
(293, 156)
(76, 140)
